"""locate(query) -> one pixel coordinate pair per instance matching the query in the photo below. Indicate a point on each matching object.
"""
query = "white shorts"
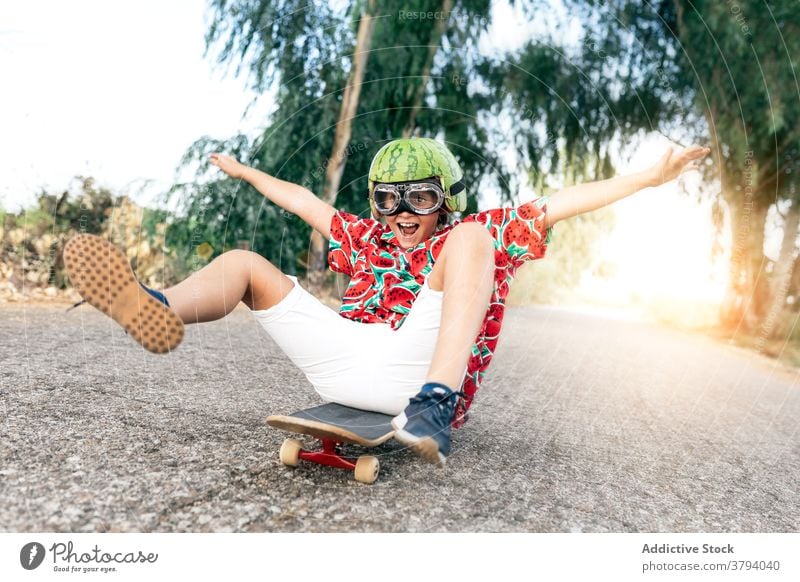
(363, 365)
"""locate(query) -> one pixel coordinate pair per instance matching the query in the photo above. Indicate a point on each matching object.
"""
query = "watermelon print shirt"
(385, 280)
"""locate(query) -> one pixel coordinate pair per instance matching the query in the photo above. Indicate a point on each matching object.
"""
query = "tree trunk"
(748, 291)
(757, 282)
(794, 285)
(317, 252)
(731, 310)
(433, 45)
(782, 275)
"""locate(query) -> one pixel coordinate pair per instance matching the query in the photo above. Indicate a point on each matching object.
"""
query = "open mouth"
(407, 228)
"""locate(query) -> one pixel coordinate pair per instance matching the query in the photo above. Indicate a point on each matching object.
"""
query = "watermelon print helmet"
(418, 158)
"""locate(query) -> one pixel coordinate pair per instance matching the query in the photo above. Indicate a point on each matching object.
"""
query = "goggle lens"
(422, 198)
(385, 200)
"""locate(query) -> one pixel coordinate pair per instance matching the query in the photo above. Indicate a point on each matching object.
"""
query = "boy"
(421, 317)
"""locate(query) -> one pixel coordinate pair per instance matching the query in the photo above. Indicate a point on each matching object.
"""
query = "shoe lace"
(444, 409)
(78, 304)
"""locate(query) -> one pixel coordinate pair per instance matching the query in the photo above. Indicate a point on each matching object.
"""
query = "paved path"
(585, 424)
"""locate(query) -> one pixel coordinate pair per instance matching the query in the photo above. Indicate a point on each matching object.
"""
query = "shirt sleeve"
(519, 233)
(349, 235)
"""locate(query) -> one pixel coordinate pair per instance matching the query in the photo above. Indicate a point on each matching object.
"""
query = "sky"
(120, 90)
(115, 90)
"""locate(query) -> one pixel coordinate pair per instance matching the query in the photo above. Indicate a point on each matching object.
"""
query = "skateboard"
(334, 425)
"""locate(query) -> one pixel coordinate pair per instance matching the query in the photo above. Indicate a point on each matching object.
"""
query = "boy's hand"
(228, 165)
(672, 164)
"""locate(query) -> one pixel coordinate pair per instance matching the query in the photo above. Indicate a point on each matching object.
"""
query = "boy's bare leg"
(102, 274)
(465, 272)
(216, 289)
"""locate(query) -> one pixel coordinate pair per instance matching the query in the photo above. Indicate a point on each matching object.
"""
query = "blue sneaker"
(424, 425)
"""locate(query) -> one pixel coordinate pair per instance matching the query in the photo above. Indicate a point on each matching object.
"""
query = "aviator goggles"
(416, 197)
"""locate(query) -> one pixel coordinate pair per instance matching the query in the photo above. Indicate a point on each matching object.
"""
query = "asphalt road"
(584, 424)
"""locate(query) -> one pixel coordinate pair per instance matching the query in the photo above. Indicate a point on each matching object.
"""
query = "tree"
(32, 240)
(336, 163)
(303, 52)
(743, 57)
(694, 71)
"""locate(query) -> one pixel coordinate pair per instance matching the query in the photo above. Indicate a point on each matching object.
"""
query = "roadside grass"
(781, 341)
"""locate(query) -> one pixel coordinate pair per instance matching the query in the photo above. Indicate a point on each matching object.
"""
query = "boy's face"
(412, 229)
(409, 227)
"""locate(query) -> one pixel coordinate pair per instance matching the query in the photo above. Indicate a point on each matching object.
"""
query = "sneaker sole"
(425, 447)
(102, 275)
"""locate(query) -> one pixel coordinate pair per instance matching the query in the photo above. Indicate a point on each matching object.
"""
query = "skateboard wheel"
(290, 452)
(367, 468)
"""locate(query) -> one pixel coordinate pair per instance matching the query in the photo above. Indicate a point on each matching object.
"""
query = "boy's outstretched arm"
(581, 198)
(291, 197)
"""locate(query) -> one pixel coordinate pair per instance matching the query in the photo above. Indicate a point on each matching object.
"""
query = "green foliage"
(302, 51)
(732, 65)
(226, 214)
(565, 113)
(293, 43)
(570, 253)
(396, 65)
(572, 104)
(676, 64)
(32, 240)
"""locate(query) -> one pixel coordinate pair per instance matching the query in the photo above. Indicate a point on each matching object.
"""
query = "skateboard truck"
(366, 467)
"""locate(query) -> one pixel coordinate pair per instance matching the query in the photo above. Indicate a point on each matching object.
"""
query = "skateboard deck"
(338, 423)
(334, 425)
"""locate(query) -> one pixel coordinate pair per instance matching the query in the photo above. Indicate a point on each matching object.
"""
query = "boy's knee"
(466, 242)
(238, 257)
(237, 254)
(241, 262)
(472, 236)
